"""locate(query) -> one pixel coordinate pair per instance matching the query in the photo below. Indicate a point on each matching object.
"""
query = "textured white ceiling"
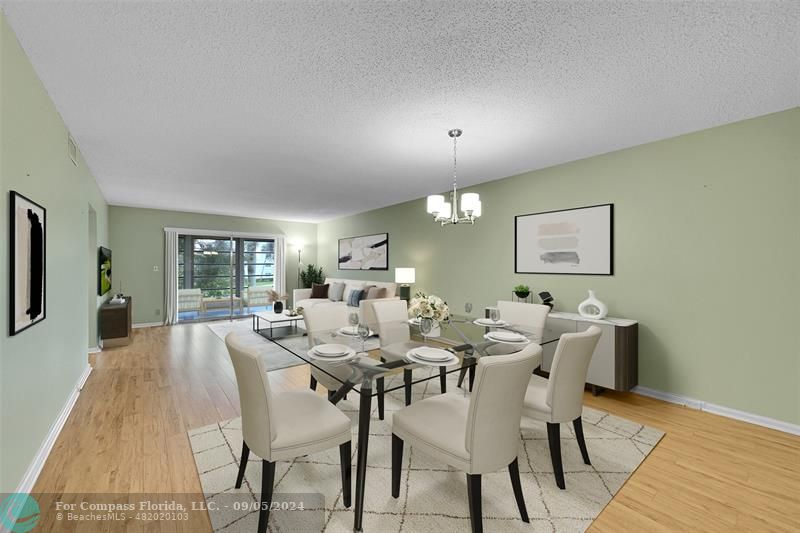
(312, 110)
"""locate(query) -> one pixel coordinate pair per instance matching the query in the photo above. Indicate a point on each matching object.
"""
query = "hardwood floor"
(127, 433)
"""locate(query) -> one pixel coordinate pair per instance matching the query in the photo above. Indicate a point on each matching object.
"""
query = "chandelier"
(447, 212)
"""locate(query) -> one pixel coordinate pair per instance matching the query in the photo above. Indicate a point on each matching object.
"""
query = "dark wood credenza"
(116, 323)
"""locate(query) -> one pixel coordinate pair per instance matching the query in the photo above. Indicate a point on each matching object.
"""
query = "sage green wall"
(706, 253)
(40, 366)
(137, 241)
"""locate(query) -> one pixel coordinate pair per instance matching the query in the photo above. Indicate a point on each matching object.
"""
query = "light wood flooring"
(127, 434)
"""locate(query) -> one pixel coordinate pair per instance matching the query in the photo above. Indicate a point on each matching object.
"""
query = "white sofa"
(302, 297)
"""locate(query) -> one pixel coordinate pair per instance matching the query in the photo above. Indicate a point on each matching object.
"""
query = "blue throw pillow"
(355, 298)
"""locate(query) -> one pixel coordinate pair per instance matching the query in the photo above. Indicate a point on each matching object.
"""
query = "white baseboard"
(35, 468)
(147, 325)
(720, 410)
(95, 349)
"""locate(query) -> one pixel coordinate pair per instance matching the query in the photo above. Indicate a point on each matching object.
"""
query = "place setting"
(331, 352)
(492, 321)
(507, 337)
(429, 356)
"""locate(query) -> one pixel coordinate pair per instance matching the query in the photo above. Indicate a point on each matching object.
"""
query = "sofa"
(302, 297)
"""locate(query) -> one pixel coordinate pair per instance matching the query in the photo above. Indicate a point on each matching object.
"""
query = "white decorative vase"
(591, 307)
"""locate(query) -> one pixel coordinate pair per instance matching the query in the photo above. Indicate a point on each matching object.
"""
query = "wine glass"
(468, 308)
(352, 319)
(363, 333)
(494, 314)
(425, 327)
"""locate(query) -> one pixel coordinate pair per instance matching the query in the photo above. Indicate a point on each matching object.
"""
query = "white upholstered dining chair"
(559, 398)
(281, 427)
(325, 318)
(530, 317)
(477, 435)
(391, 318)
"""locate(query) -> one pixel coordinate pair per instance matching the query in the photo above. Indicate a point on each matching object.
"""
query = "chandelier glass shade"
(446, 212)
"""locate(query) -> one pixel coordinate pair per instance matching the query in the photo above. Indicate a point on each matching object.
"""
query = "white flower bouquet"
(428, 306)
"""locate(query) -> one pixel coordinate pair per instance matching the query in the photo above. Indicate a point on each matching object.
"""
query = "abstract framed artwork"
(27, 279)
(569, 241)
(366, 252)
(103, 270)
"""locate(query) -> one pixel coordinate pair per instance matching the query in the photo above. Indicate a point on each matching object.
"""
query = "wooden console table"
(116, 323)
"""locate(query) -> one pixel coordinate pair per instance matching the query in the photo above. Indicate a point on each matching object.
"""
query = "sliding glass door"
(223, 277)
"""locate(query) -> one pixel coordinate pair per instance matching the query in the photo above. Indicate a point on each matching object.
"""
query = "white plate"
(487, 322)
(414, 359)
(330, 350)
(346, 357)
(351, 331)
(490, 337)
(431, 354)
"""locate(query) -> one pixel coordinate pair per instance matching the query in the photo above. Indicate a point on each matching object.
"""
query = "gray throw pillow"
(336, 291)
(375, 293)
(355, 298)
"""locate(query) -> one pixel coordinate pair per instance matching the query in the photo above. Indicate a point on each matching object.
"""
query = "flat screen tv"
(103, 270)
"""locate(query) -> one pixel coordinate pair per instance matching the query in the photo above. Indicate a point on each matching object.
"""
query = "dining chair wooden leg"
(474, 496)
(345, 458)
(407, 381)
(267, 483)
(554, 438)
(242, 464)
(578, 425)
(513, 472)
(443, 379)
(471, 376)
(397, 464)
(313, 383)
(379, 384)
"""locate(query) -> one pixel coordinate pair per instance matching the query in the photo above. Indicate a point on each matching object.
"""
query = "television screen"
(104, 271)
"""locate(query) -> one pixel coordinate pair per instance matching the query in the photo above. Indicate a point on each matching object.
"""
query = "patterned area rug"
(433, 496)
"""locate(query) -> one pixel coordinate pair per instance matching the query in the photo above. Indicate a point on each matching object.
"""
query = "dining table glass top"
(452, 346)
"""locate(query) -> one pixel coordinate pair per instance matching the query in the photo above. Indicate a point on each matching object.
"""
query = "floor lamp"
(405, 276)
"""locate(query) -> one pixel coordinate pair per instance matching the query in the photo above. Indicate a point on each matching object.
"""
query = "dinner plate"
(351, 331)
(431, 354)
(517, 339)
(339, 358)
(414, 359)
(330, 350)
(487, 322)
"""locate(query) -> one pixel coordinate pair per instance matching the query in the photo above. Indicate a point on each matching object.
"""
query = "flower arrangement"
(428, 306)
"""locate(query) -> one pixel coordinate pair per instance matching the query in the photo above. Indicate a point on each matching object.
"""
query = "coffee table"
(275, 320)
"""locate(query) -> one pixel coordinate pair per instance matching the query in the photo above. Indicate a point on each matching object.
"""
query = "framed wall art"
(27, 241)
(569, 241)
(367, 252)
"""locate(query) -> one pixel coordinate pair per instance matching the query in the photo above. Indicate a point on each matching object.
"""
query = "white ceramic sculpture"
(591, 307)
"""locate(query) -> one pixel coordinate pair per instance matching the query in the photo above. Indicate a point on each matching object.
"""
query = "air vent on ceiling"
(72, 148)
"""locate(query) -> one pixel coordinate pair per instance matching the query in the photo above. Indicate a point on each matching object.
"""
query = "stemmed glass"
(363, 334)
(468, 308)
(353, 320)
(425, 327)
(494, 314)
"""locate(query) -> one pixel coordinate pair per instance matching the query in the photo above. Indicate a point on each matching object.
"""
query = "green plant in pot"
(522, 291)
(312, 274)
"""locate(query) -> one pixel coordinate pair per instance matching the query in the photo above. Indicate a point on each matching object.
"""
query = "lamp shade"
(404, 275)
(435, 203)
(469, 201)
(447, 210)
(477, 211)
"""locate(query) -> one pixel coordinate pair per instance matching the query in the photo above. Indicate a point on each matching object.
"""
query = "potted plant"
(312, 274)
(277, 300)
(522, 291)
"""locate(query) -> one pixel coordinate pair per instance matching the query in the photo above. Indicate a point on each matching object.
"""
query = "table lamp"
(405, 276)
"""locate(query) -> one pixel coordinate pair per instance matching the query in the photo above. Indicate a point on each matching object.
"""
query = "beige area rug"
(433, 497)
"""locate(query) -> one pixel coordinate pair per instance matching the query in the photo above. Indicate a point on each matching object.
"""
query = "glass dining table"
(462, 341)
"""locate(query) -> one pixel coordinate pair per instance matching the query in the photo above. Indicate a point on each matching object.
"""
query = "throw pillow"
(336, 291)
(355, 297)
(376, 293)
(348, 288)
(319, 291)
